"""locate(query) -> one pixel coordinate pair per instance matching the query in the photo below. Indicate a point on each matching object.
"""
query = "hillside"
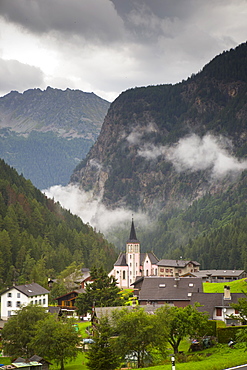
(38, 238)
(160, 146)
(45, 134)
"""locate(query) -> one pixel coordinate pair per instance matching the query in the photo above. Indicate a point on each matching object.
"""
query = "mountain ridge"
(45, 134)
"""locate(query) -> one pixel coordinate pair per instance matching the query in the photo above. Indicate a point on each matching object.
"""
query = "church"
(133, 263)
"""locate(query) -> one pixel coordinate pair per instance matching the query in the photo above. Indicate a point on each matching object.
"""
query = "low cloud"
(194, 153)
(90, 209)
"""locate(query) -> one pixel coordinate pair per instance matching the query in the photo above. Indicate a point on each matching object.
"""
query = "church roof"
(121, 261)
(154, 260)
(132, 238)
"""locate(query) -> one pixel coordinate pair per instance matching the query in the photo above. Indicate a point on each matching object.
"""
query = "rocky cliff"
(166, 145)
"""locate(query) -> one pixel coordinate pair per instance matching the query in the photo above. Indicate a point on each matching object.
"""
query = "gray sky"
(108, 46)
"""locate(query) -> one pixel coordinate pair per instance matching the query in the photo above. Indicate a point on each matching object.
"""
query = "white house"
(15, 297)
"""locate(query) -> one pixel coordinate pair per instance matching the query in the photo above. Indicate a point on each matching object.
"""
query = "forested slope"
(212, 231)
(38, 238)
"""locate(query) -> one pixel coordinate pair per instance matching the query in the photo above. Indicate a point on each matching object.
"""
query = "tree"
(102, 354)
(56, 339)
(241, 308)
(19, 331)
(136, 333)
(176, 323)
(102, 292)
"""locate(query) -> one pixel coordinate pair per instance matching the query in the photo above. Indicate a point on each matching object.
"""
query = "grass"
(236, 286)
(216, 358)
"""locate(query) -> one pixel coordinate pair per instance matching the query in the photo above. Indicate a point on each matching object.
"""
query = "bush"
(225, 334)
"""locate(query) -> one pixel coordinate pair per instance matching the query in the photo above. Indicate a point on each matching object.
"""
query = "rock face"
(45, 134)
(136, 162)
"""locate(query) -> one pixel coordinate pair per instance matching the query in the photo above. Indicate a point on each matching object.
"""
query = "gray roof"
(155, 288)
(214, 273)
(30, 290)
(154, 260)
(176, 263)
(107, 311)
(211, 300)
(121, 261)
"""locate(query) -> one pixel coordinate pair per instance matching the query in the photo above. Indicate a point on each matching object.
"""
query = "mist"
(91, 210)
(194, 153)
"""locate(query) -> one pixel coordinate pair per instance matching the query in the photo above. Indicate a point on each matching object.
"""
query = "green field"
(236, 286)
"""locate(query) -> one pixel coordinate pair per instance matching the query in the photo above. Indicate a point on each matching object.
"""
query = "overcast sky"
(108, 46)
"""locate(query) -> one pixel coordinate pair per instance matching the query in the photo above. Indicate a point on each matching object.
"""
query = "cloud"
(109, 46)
(90, 209)
(27, 76)
(88, 19)
(194, 153)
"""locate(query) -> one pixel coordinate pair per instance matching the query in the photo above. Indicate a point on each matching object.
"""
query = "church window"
(146, 272)
(124, 275)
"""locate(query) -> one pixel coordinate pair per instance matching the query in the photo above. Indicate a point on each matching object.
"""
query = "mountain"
(38, 238)
(45, 134)
(178, 153)
(165, 146)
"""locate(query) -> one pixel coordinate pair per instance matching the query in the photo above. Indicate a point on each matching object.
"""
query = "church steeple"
(132, 238)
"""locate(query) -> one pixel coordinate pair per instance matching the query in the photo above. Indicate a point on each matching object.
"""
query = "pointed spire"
(132, 233)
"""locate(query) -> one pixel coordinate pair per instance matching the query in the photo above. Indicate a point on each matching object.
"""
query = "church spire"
(133, 237)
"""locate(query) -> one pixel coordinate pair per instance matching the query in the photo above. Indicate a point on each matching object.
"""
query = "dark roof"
(132, 238)
(211, 300)
(176, 263)
(155, 288)
(154, 260)
(54, 310)
(30, 289)
(39, 359)
(77, 291)
(121, 261)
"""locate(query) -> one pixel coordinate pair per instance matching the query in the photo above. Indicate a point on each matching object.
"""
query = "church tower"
(133, 255)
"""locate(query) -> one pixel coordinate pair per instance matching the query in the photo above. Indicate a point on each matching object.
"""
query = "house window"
(124, 275)
(162, 270)
(36, 301)
(236, 312)
(155, 272)
(18, 295)
(39, 301)
(9, 304)
(18, 304)
(44, 301)
(218, 311)
(167, 270)
(130, 264)
(9, 294)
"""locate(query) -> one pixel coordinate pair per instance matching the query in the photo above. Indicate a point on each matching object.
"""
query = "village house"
(183, 291)
(156, 290)
(172, 268)
(17, 296)
(219, 276)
